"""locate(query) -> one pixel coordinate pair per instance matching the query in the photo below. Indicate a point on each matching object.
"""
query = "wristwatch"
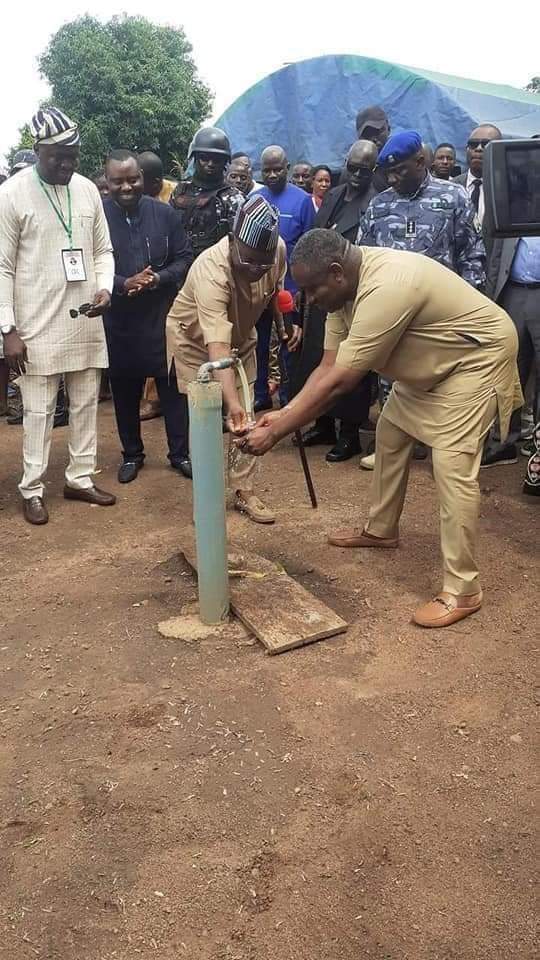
(6, 328)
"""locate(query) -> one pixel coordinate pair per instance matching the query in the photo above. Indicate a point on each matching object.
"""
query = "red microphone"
(285, 301)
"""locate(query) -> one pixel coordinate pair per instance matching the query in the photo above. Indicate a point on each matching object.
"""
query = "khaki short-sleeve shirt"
(449, 348)
(212, 308)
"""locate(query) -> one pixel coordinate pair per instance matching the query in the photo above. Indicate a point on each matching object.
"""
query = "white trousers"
(39, 402)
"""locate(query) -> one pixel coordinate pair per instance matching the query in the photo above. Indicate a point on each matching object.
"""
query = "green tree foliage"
(128, 83)
(534, 85)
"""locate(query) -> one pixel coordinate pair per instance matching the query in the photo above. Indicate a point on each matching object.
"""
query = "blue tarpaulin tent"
(310, 107)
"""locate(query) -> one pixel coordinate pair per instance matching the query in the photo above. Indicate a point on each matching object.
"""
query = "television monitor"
(511, 174)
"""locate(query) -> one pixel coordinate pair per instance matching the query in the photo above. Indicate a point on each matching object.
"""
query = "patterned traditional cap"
(52, 126)
(399, 147)
(257, 224)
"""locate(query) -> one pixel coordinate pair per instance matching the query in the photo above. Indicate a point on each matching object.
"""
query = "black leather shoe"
(506, 454)
(183, 467)
(344, 449)
(315, 436)
(61, 419)
(261, 405)
(128, 470)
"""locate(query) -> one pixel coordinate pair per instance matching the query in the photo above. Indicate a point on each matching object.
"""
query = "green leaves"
(128, 83)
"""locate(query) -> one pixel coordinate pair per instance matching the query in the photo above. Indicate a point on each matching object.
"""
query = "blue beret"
(399, 147)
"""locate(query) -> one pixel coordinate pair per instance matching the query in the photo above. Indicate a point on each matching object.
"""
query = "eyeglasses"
(83, 310)
(476, 144)
(359, 168)
(248, 263)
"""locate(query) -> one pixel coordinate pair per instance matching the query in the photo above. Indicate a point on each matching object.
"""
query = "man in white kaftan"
(55, 256)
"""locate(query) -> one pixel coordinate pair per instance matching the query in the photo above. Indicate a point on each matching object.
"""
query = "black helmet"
(23, 158)
(210, 140)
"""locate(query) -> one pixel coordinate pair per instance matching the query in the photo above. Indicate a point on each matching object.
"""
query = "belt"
(528, 286)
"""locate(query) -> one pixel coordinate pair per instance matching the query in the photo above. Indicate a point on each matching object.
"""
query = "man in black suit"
(513, 280)
(472, 180)
(341, 210)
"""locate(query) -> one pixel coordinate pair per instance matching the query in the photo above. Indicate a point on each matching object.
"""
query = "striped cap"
(257, 224)
(52, 126)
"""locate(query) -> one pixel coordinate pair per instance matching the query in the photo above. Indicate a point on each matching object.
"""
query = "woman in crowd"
(321, 183)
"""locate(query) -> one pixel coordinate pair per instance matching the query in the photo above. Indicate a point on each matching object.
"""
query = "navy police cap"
(399, 147)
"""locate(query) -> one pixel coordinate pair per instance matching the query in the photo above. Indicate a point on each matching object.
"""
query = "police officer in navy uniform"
(424, 215)
(207, 203)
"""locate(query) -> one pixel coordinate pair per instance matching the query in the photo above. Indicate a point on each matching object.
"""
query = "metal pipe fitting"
(206, 369)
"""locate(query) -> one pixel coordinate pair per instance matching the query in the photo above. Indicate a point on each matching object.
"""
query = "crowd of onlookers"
(393, 190)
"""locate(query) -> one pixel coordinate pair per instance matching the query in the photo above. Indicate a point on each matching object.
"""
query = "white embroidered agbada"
(34, 293)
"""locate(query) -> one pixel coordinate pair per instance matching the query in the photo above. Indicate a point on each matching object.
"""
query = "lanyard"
(68, 227)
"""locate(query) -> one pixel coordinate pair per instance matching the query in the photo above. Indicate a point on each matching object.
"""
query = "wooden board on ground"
(279, 611)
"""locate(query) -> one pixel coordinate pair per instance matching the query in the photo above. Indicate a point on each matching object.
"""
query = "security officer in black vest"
(207, 203)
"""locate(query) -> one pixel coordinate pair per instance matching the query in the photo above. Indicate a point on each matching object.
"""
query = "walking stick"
(285, 305)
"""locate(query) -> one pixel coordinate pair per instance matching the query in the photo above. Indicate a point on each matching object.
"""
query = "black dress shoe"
(61, 419)
(506, 454)
(128, 470)
(315, 436)
(261, 405)
(183, 467)
(344, 449)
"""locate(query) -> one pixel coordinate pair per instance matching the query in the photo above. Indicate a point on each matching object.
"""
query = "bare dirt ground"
(368, 796)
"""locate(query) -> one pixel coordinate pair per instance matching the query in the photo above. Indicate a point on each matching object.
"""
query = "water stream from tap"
(246, 391)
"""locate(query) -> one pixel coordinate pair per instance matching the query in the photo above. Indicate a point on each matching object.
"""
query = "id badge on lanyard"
(72, 257)
(74, 268)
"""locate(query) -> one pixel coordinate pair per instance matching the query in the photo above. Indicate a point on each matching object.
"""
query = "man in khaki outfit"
(453, 354)
(225, 292)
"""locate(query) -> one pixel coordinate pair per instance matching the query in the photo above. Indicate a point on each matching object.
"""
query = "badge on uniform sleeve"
(74, 267)
(410, 228)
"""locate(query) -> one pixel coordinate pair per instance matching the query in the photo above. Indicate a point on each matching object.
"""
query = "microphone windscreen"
(285, 301)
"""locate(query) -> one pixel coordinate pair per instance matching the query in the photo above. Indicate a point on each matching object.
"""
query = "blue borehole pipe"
(206, 443)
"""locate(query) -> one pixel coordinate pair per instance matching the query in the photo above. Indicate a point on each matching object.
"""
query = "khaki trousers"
(241, 467)
(150, 391)
(456, 480)
(39, 402)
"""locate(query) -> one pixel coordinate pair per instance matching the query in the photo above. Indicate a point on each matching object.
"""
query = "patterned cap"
(399, 147)
(52, 126)
(257, 224)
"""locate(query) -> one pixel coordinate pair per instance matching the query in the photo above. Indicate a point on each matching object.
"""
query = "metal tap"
(206, 369)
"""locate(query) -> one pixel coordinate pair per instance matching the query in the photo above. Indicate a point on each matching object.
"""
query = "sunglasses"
(476, 144)
(82, 311)
(359, 168)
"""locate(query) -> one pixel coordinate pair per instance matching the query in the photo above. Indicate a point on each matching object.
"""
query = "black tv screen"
(512, 188)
